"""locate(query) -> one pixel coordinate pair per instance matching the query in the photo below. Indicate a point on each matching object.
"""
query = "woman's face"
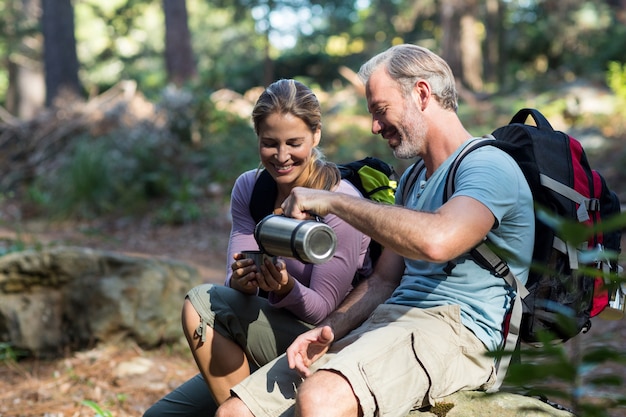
(285, 146)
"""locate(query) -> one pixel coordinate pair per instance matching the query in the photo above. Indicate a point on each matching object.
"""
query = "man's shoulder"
(491, 160)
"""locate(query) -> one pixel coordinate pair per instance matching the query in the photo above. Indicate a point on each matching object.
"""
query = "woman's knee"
(190, 319)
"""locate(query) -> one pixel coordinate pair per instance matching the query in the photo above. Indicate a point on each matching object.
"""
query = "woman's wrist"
(286, 289)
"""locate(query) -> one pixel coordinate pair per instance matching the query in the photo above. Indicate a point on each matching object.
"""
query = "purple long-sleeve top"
(319, 288)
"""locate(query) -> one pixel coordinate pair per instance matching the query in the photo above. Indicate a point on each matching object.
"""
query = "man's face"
(395, 117)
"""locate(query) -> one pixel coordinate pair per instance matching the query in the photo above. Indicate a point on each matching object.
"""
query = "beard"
(412, 132)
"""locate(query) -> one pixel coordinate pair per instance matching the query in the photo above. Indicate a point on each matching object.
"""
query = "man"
(419, 327)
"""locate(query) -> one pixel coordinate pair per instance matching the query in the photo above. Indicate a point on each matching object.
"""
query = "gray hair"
(406, 64)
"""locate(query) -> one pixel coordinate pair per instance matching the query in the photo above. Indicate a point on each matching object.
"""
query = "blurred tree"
(277, 19)
(494, 70)
(60, 59)
(562, 39)
(228, 49)
(26, 86)
(460, 43)
(179, 58)
(511, 42)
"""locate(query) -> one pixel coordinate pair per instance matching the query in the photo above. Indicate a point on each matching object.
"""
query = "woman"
(231, 330)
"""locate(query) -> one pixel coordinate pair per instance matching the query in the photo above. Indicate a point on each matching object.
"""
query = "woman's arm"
(242, 230)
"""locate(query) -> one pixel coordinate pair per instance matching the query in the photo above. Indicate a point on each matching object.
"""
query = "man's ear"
(423, 93)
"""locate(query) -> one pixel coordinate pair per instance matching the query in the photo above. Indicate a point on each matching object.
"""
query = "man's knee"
(233, 407)
(326, 390)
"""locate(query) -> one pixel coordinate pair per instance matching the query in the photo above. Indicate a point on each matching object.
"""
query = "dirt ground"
(120, 379)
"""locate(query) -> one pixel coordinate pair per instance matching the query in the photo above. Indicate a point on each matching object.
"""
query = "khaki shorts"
(401, 358)
(262, 331)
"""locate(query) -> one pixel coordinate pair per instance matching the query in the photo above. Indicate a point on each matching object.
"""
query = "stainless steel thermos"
(308, 241)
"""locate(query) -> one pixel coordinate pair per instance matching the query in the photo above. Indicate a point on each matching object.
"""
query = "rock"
(61, 298)
(481, 404)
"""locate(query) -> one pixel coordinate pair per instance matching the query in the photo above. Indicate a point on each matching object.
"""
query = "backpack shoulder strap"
(484, 256)
(417, 168)
(454, 167)
(263, 196)
(415, 171)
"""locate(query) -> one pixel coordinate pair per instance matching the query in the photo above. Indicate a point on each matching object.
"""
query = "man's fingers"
(300, 365)
(326, 335)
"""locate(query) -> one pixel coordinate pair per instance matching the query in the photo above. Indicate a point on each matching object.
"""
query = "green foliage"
(8, 353)
(10, 246)
(228, 146)
(616, 79)
(107, 174)
(97, 409)
(571, 373)
(165, 166)
(182, 207)
(551, 371)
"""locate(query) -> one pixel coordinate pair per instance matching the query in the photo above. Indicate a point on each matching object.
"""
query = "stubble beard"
(412, 134)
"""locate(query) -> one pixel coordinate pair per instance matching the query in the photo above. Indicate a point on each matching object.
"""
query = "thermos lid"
(319, 241)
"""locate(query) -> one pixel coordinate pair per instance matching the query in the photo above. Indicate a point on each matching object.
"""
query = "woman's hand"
(274, 277)
(244, 276)
(270, 277)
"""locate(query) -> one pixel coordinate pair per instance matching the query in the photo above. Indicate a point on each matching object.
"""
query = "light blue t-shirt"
(492, 177)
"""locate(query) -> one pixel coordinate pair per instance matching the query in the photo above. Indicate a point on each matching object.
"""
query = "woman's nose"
(283, 154)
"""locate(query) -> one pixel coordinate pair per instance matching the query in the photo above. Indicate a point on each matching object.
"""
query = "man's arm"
(459, 225)
(366, 296)
(311, 345)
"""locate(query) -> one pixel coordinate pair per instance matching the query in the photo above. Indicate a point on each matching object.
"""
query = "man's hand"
(304, 202)
(309, 347)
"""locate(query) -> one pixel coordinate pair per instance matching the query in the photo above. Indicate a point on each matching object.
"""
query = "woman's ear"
(317, 136)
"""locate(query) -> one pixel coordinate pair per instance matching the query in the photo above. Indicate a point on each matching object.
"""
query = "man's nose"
(377, 126)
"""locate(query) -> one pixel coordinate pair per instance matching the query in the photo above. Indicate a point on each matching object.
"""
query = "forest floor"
(120, 379)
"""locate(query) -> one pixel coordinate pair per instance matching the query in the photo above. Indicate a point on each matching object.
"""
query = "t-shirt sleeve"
(492, 177)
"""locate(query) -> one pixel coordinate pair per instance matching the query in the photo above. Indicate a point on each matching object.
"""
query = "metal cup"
(306, 240)
(258, 257)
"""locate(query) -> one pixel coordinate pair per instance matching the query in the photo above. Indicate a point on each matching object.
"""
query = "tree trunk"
(179, 58)
(495, 60)
(268, 62)
(26, 90)
(471, 51)
(461, 45)
(451, 41)
(60, 59)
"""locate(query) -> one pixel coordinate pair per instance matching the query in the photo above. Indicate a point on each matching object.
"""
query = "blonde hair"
(406, 64)
(288, 96)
